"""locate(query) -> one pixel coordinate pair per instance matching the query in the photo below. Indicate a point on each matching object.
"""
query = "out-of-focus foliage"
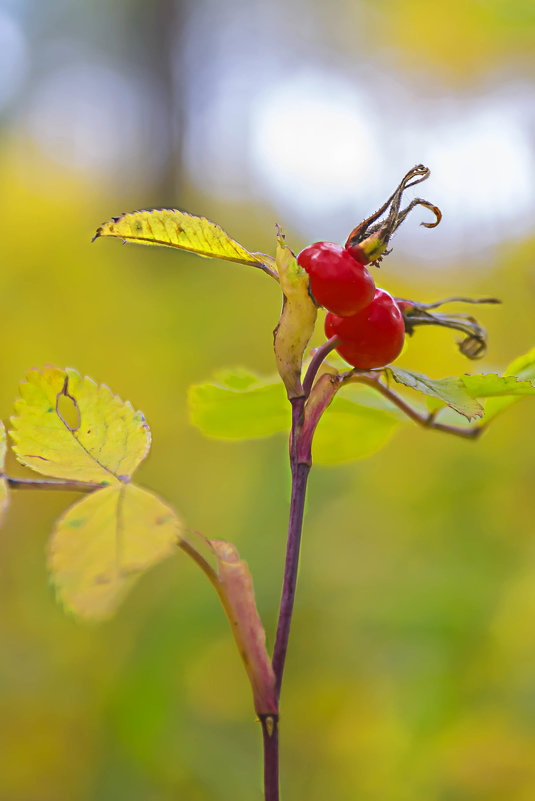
(241, 406)
(350, 431)
(462, 38)
(411, 665)
(4, 493)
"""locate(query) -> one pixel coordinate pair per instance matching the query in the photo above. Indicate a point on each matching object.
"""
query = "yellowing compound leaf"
(66, 426)
(297, 321)
(237, 595)
(103, 543)
(178, 229)
(4, 492)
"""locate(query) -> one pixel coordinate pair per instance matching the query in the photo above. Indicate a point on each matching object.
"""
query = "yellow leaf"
(102, 544)
(66, 426)
(297, 320)
(4, 492)
(178, 229)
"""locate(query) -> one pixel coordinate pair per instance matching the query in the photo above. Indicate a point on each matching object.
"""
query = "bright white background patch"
(311, 139)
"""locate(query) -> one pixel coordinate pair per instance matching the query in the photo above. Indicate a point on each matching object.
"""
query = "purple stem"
(299, 482)
(300, 473)
(316, 362)
(270, 733)
(300, 441)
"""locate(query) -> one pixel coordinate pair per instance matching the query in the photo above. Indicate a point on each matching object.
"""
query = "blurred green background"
(411, 671)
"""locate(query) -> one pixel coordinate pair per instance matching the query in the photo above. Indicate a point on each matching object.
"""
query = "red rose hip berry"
(371, 338)
(337, 280)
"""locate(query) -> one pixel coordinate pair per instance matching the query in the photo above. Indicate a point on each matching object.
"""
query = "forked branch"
(424, 420)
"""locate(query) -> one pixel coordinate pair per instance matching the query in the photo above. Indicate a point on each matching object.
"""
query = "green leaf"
(4, 491)
(523, 366)
(522, 370)
(449, 390)
(491, 385)
(67, 426)
(178, 229)
(103, 543)
(349, 431)
(239, 405)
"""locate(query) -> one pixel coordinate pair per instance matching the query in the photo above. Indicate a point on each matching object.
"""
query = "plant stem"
(427, 421)
(299, 482)
(270, 734)
(300, 473)
(51, 484)
(316, 362)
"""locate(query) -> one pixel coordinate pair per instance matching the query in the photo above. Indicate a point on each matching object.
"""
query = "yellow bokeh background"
(411, 668)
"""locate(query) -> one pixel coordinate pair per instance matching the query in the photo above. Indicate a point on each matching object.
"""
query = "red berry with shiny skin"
(371, 338)
(337, 280)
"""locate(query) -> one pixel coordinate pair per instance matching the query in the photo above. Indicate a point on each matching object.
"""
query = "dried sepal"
(369, 240)
(474, 344)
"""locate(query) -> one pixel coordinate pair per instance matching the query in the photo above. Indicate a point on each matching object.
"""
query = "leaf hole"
(67, 408)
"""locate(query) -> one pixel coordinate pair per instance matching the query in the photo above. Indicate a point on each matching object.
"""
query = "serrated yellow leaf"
(4, 492)
(103, 543)
(66, 426)
(178, 229)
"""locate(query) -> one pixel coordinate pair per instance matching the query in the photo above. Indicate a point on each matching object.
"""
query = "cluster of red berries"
(366, 319)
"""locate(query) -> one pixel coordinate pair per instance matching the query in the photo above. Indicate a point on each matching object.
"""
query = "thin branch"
(426, 421)
(270, 734)
(316, 362)
(300, 477)
(52, 484)
(212, 576)
(458, 299)
(205, 566)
